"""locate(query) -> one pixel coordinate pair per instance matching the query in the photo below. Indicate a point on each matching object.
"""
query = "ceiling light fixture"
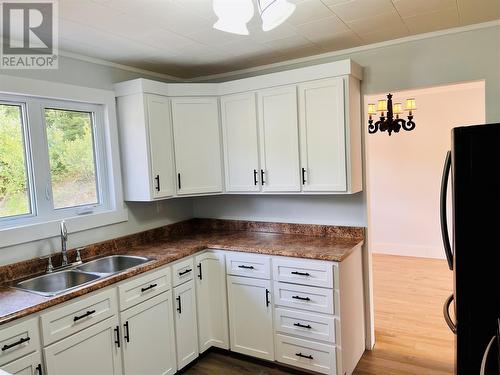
(389, 123)
(274, 12)
(233, 15)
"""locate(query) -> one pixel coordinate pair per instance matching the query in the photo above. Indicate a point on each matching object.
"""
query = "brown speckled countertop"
(317, 242)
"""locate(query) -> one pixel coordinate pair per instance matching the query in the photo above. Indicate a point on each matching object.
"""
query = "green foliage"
(71, 154)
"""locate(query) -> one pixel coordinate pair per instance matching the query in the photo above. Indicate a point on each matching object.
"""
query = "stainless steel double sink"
(59, 282)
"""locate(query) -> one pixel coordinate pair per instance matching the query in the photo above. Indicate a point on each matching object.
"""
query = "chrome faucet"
(64, 243)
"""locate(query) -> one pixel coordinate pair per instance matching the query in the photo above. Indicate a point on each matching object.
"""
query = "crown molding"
(308, 59)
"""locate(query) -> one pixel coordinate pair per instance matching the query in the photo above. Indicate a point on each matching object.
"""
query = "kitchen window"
(58, 160)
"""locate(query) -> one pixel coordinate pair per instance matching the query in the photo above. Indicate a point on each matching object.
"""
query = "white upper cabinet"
(146, 146)
(241, 147)
(322, 135)
(197, 145)
(278, 131)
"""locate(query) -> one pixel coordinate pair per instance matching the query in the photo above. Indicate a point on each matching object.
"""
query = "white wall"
(142, 216)
(404, 170)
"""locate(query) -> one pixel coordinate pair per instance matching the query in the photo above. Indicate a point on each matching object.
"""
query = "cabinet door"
(30, 364)
(322, 135)
(161, 145)
(94, 350)
(278, 133)
(241, 147)
(211, 299)
(186, 331)
(250, 317)
(197, 145)
(148, 337)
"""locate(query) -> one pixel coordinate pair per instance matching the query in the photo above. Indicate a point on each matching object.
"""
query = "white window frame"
(43, 222)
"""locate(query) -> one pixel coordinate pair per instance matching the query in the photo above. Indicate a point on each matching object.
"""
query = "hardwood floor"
(411, 335)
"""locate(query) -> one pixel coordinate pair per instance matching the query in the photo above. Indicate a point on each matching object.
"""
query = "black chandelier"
(391, 123)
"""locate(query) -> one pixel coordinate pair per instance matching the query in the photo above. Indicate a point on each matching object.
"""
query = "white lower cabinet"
(211, 301)
(186, 332)
(95, 350)
(250, 316)
(30, 364)
(148, 337)
(306, 354)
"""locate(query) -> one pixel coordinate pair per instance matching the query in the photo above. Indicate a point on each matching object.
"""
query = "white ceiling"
(176, 36)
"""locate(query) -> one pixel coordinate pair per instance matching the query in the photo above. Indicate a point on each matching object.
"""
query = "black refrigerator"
(473, 254)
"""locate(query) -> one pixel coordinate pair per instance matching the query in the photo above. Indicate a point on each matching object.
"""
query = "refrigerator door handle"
(486, 355)
(444, 219)
(446, 313)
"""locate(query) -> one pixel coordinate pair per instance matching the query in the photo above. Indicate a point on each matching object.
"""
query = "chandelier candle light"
(391, 123)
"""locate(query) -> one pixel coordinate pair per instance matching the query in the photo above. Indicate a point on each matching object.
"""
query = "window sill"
(38, 231)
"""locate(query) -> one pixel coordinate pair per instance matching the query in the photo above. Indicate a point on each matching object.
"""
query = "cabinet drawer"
(304, 297)
(75, 316)
(306, 354)
(18, 340)
(305, 324)
(250, 265)
(143, 287)
(182, 271)
(315, 273)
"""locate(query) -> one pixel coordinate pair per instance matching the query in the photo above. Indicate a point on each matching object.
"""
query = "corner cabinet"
(197, 145)
(145, 128)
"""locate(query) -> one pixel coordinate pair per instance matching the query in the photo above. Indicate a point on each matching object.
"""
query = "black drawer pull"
(88, 313)
(262, 181)
(304, 356)
(303, 176)
(126, 336)
(184, 272)
(22, 340)
(300, 273)
(148, 287)
(200, 274)
(246, 267)
(117, 331)
(302, 325)
(301, 298)
(179, 307)
(157, 178)
(179, 180)
(267, 298)
(39, 369)
(255, 173)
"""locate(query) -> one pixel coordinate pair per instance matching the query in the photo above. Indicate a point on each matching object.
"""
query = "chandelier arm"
(409, 125)
(372, 128)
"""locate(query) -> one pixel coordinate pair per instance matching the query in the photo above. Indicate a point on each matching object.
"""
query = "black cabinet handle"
(262, 181)
(179, 180)
(127, 332)
(300, 273)
(267, 298)
(148, 287)
(200, 275)
(39, 369)
(302, 325)
(184, 272)
(179, 306)
(246, 267)
(117, 331)
(255, 173)
(157, 178)
(301, 298)
(88, 313)
(22, 340)
(304, 356)
(303, 176)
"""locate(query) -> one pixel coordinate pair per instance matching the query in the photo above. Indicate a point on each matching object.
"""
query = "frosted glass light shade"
(274, 12)
(372, 110)
(233, 15)
(397, 108)
(411, 104)
(382, 105)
